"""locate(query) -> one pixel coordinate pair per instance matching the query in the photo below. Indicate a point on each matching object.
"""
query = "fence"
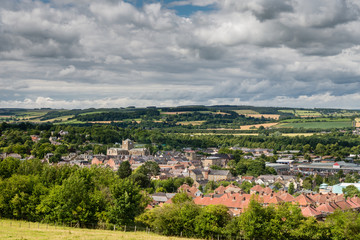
(102, 226)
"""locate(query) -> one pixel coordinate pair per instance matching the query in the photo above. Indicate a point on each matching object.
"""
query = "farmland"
(319, 125)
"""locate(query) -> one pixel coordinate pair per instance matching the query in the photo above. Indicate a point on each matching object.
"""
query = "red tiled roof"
(304, 200)
(286, 197)
(275, 200)
(257, 188)
(310, 211)
(326, 208)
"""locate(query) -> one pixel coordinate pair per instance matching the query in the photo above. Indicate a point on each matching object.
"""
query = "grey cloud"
(254, 52)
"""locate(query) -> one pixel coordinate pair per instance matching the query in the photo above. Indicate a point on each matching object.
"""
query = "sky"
(111, 53)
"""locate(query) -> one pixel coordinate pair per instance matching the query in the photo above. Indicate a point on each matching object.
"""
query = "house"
(218, 175)
(196, 174)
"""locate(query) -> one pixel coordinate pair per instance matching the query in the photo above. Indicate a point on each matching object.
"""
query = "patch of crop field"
(307, 113)
(174, 113)
(62, 118)
(33, 231)
(255, 126)
(72, 121)
(221, 113)
(298, 134)
(357, 122)
(194, 123)
(31, 115)
(219, 134)
(287, 111)
(246, 111)
(87, 113)
(320, 125)
(303, 120)
(105, 122)
(248, 127)
(272, 116)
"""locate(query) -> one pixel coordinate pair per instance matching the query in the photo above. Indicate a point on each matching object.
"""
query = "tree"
(9, 166)
(291, 188)
(149, 168)
(124, 170)
(127, 202)
(73, 201)
(212, 220)
(172, 219)
(344, 225)
(351, 191)
(320, 149)
(181, 198)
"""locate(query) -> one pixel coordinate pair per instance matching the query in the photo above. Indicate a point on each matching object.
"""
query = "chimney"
(212, 196)
(234, 198)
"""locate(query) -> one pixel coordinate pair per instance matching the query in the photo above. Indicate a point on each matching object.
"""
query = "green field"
(287, 111)
(304, 120)
(33, 231)
(320, 125)
(307, 113)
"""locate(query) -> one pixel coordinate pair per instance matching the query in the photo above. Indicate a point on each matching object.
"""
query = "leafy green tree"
(73, 201)
(344, 225)
(310, 228)
(127, 202)
(173, 219)
(8, 166)
(149, 168)
(181, 198)
(212, 220)
(351, 191)
(141, 179)
(307, 183)
(320, 149)
(246, 186)
(124, 170)
(19, 197)
(291, 189)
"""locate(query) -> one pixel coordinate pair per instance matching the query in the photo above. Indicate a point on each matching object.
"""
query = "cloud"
(113, 53)
(70, 69)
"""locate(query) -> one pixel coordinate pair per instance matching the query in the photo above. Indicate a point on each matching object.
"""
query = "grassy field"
(320, 125)
(287, 111)
(251, 134)
(33, 231)
(322, 119)
(307, 113)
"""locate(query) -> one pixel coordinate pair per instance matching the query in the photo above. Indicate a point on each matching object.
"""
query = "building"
(338, 188)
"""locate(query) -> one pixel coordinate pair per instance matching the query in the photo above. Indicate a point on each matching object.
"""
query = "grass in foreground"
(10, 229)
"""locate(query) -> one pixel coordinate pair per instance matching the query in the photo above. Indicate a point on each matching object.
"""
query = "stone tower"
(127, 144)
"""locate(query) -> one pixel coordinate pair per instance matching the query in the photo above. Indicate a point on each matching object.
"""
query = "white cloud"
(99, 53)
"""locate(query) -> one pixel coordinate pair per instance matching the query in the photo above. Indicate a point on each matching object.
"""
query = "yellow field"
(34, 231)
(248, 127)
(194, 123)
(62, 118)
(265, 125)
(297, 134)
(244, 112)
(272, 116)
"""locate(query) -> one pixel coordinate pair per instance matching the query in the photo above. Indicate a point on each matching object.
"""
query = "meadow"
(11, 229)
(319, 125)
